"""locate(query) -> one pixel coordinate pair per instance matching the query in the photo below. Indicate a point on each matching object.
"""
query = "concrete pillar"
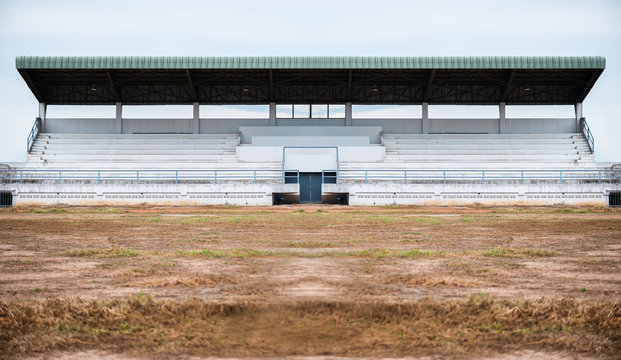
(42, 115)
(195, 118)
(425, 129)
(272, 114)
(502, 128)
(348, 113)
(119, 118)
(578, 110)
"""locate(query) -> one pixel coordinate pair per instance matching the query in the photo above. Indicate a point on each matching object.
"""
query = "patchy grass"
(502, 252)
(116, 252)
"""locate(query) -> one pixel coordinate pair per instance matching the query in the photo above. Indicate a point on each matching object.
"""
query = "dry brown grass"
(479, 324)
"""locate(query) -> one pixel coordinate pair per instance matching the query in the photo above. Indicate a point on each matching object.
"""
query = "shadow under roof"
(360, 80)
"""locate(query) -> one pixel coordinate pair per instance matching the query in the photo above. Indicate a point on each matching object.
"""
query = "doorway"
(310, 188)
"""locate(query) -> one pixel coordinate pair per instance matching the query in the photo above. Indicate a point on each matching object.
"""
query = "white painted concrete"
(232, 126)
(310, 140)
(252, 153)
(359, 194)
(248, 132)
(203, 194)
(467, 194)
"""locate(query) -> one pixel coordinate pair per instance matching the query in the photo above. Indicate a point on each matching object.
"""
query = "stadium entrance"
(310, 188)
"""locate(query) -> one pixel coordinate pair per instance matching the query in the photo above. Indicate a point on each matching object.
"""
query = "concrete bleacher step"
(477, 136)
(115, 152)
(459, 152)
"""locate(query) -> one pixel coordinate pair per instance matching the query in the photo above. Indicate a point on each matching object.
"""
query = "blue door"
(310, 188)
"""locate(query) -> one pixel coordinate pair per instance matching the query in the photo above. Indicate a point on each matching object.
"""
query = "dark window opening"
(6, 198)
(614, 199)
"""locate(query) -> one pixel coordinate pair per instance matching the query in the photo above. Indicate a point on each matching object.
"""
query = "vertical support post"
(21, 176)
(405, 177)
(119, 118)
(176, 176)
(60, 177)
(137, 176)
(348, 113)
(43, 116)
(502, 122)
(98, 176)
(561, 176)
(444, 176)
(522, 177)
(483, 175)
(272, 114)
(599, 176)
(366, 176)
(195, 118)
(578, 110)
(254, 176)
(215, 176)
(425, 127)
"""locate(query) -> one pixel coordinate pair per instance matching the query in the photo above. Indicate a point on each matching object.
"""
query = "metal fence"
(141, 176)
(405, 176)
(445, 176)
(34, 131)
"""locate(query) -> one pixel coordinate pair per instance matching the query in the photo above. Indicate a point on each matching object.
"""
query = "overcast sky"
(321, 28)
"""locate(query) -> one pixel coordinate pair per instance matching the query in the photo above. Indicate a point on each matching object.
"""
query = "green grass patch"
(117, 252)
(307, 244)
(502, 252)
(229, 253)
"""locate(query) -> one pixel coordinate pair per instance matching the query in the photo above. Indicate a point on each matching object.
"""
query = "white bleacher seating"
(481, 151)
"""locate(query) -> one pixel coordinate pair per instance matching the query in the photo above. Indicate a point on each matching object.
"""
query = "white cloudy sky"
(318, 27)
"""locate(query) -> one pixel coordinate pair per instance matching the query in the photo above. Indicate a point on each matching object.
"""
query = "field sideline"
(321, 281)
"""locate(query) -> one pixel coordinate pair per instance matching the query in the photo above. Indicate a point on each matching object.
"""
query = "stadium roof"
(260, 80)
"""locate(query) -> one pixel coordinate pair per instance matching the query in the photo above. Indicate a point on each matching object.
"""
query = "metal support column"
(502, 123)
(195, 118)
(425, 128)
(119, 118)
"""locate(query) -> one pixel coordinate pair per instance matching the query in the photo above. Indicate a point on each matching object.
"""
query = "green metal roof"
(310, 62)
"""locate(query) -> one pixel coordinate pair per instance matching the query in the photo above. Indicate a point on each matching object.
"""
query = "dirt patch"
(295, 268)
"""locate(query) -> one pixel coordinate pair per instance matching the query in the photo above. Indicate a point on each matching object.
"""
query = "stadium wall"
(231, 126)
(359, 194)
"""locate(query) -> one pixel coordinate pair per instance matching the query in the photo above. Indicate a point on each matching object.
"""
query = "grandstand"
(310, 146)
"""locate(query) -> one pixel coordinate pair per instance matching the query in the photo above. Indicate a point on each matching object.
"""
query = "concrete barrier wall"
(540, 126)
(393, 126)
(80, 126)
(464, 126)
(468, 194)
(231, 126)
(228, 126)
(156, 126)
(248, 132)
(251, 153)
(359, 194)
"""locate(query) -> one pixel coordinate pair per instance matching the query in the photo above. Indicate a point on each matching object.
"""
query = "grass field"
(493, 283)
